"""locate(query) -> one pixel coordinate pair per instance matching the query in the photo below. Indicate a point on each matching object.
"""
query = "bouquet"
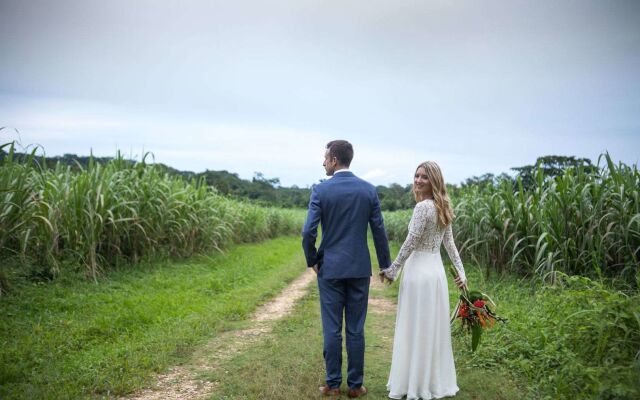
(474, 312)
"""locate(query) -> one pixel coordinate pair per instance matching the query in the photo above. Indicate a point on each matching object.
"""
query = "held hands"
(390, 273)
(383, 277)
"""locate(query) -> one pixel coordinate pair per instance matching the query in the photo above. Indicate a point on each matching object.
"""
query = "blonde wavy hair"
(440, 196)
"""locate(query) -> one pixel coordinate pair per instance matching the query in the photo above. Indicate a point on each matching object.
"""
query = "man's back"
(345, 205)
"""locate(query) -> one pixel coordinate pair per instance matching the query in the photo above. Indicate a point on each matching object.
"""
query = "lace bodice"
(426, 235)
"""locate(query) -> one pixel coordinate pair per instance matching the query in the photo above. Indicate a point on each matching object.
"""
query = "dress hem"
(427, 397)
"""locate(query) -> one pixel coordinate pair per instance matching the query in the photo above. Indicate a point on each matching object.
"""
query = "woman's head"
(428, 183)
(426, 179)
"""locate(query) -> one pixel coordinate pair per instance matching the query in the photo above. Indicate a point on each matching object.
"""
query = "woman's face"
(422, 184)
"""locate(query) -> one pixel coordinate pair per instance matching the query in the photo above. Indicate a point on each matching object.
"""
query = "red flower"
(478, 303)
(463, 312)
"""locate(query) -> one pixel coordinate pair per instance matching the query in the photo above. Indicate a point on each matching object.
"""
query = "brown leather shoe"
(327, 391)
(355, 393)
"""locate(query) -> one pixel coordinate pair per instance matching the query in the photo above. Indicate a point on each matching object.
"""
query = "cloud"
(376, 175)
(62, 126)
(292, 154)
(262, 86)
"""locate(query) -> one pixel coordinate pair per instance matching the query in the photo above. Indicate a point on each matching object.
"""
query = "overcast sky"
(246, 86)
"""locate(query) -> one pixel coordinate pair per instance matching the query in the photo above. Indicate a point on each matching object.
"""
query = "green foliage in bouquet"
(474, 312)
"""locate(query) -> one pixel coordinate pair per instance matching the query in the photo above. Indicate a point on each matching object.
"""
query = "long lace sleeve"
(452, 251)
(416, 228)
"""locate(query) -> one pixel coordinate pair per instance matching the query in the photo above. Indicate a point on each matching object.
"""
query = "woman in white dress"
(422, 364)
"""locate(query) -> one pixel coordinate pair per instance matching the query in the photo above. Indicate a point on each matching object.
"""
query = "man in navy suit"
(344, 205)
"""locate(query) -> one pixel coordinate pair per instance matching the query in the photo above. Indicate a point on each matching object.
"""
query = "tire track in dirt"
(186, 382)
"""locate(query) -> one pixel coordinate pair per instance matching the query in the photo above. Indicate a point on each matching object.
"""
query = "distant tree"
(482, 180)
(487, 179)
(395, 197)
(261, 189)
(224, 182)
(293, 197)
(259, 177)
(551, 166)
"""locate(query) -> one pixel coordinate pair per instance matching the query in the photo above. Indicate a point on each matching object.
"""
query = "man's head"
(338, 155)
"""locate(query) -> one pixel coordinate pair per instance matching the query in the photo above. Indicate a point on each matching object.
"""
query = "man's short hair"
(342, 150)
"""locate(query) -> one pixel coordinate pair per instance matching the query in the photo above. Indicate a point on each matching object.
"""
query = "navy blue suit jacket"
(345, 206)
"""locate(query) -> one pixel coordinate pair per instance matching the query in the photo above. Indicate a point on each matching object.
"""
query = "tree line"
(268, 191)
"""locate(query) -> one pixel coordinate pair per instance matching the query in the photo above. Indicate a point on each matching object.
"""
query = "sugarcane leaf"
(476, 333)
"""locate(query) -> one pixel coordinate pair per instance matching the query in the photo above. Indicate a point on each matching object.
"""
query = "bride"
(422, 364)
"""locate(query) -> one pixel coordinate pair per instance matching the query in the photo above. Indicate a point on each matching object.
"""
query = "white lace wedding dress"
(422, 364)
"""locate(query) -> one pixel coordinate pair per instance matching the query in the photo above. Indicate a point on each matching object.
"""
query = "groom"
(344, 205)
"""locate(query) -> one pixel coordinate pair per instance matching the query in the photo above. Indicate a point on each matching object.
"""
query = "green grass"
(289, 364)
(576, 340)
(71, 338)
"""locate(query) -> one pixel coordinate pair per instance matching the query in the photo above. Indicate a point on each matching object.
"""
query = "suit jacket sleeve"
(310, 229)
(376, 222)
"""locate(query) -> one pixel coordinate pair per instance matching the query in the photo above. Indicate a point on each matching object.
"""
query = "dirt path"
(379, 305)
(185, 382)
